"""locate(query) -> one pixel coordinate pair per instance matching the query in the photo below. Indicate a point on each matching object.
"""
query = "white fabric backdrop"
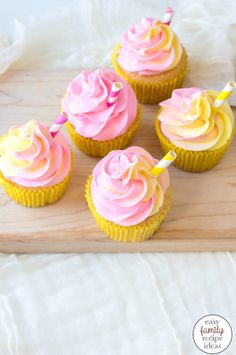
(83, 33)
(116, 304)
(123, 304)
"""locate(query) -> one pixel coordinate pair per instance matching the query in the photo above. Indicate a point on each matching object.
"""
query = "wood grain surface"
(202, 218)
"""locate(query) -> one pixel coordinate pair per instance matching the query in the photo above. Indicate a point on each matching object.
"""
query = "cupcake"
(126, 199)
(193, 126)
(35, 168)
(102, 112)
(152, 60)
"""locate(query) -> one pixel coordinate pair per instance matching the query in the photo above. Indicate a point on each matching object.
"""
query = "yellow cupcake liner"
(96, 148)
(137, 233)
(35, 196)
(192, 161)
(156, 88)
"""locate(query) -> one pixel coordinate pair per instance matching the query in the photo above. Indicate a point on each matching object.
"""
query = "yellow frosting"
(31, 157)
(149, 48)
(190, 121)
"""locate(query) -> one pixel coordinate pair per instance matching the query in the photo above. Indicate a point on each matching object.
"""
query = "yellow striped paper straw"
(225, 93)
(164, 163)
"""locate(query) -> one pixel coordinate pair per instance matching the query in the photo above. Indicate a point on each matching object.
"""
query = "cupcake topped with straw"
(34, 164)
(129, 193)
(151, 58)
(150, 47)
(102, 111)
(197, 120)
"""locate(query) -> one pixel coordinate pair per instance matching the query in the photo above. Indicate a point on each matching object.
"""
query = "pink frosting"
(189, 120)
(149, 48)
(85, 104)
(30, 157)
(123, 189)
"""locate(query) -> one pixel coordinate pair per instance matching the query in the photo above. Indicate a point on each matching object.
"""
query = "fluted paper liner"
(35, 196)
(152, 89)
(192, 161)
(137, 233)
(96, 148)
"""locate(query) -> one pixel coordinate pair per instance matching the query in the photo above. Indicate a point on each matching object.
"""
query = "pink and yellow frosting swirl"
(30, 157)
(190, 121)
(85, 104)
(123, 189)
(149, 48)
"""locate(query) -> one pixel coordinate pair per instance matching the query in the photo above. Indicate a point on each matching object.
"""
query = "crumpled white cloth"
(83, 34)
(121, 304)
(116, 304)
(12, 50)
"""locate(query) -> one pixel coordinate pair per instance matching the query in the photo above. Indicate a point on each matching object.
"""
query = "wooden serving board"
(202, 218)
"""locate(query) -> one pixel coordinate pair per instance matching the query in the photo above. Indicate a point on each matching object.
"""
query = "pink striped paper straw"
(57, 125)
(168, 16)
(113, 95)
